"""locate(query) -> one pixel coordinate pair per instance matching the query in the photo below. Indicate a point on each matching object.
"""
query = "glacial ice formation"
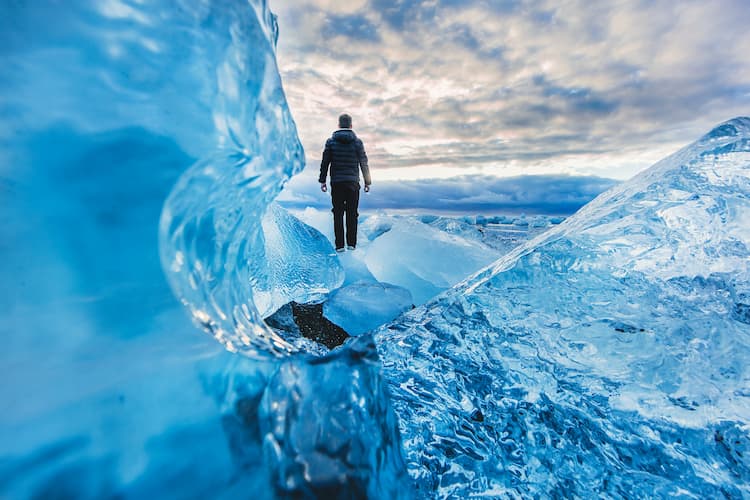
(608, 356)
(108, 390)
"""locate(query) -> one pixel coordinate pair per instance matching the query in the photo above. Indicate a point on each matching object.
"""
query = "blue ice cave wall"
(112, 115)
(608, 357)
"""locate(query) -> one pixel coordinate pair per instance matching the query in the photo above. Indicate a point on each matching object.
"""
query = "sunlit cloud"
(505, 88)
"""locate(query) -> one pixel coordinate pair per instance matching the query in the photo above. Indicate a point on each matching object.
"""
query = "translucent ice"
(300, 263)
(108, 391)
(607, 357)
(421, 258)
(363, 306)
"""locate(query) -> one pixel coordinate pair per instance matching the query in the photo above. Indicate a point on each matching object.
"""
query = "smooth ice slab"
(363, 306)
(421, 258)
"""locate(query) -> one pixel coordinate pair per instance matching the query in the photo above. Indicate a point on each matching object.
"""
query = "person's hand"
(323, 187)
(367, 189)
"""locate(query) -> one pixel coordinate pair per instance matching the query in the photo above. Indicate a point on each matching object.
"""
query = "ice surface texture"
(422, 258)
(108, 391)
(364, 306)
(609, 356)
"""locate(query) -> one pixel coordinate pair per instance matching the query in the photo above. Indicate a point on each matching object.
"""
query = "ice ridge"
(606, 357)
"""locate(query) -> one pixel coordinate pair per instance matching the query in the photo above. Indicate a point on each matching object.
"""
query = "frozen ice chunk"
(300, 263)
(424, 259)
(619, 337)
(362, 306)
(355, 267)
(329, 431)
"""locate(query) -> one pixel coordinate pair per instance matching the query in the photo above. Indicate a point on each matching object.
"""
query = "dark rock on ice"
(308, 321)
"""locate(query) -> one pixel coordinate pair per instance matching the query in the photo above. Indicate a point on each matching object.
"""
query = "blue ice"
(141, 148)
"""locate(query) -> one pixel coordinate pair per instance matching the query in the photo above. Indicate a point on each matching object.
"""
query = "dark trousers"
(345, 199)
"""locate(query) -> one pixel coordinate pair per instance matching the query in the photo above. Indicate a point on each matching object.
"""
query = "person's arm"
(324, 164)
(363, 165)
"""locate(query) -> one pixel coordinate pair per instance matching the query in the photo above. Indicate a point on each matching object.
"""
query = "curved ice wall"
(108, 390)
(200, 79)
(211, 237)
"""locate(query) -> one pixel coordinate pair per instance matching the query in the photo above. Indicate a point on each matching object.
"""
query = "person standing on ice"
(345, 154)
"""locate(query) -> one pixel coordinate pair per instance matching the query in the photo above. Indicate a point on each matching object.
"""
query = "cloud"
(538, 194)
(575, 99)
(401, 14)
(506, 85)
(354, 26)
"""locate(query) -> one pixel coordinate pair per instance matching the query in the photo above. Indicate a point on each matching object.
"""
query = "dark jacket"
(345, 154)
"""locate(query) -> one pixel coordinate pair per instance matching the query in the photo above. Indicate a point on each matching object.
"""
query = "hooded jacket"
(345, 154)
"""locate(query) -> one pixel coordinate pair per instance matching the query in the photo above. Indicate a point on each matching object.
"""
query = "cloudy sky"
(462, 89)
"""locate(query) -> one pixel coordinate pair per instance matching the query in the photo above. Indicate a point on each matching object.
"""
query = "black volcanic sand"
(309, 319)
